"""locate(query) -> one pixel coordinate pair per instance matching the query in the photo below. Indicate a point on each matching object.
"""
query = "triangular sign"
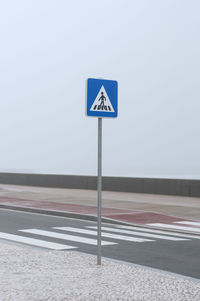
(102, 102)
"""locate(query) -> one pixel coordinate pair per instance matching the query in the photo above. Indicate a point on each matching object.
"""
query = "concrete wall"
(138, 185)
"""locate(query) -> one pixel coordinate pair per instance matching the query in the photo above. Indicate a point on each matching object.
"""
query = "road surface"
(165, 250)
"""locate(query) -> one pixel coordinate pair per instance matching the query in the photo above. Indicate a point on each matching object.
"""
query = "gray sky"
(48, 49)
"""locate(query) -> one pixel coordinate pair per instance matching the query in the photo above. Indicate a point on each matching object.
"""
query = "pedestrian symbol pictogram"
(102, 102)
(101, 99)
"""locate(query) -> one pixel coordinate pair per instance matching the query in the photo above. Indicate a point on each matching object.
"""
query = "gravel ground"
(34, 274)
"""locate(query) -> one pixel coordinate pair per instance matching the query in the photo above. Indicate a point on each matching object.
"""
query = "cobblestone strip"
(38, 275)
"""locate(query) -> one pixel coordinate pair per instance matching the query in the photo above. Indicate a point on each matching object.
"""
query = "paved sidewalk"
(142, 209)
(36, 275)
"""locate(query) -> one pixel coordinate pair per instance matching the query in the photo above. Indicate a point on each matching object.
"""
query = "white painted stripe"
(139, 233)
(142, 229)
(107, 235)
(170, 226)
(67, 237)
(189, 223)
(35, 242)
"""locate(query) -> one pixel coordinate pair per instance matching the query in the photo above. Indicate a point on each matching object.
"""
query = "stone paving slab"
(36, 275)
(177, 206)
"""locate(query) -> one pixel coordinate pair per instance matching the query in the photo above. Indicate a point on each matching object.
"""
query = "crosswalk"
(35, 242)
(107, 235)
(67, 238)
(189, 226)
(143, 234)
(73, 238)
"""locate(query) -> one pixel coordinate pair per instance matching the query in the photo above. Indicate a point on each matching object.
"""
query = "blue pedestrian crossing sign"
(102, 98)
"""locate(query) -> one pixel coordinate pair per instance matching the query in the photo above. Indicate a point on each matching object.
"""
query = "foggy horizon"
(49, 49)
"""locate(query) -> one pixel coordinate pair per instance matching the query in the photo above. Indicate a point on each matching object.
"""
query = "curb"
(62, 214)
(87, 217)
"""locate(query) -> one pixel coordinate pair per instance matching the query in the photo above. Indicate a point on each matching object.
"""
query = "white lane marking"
(139, 233)
(189, 223)
(158, 231)
(35, 242)
(107, 235)
(67, 237)
(170, 226)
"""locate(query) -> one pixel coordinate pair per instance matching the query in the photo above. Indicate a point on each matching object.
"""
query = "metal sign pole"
(99, 184)
(101, 101)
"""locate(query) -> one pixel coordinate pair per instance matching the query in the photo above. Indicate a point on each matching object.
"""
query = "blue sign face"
(101, 98)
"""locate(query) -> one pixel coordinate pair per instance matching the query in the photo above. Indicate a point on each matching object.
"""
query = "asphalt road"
(167, 251)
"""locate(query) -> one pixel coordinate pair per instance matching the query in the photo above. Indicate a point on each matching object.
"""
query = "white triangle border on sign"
(107, 108)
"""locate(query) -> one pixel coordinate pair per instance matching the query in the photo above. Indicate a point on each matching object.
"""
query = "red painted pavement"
(131, 216)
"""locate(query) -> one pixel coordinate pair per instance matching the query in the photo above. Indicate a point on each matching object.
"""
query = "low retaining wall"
(124, 184)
